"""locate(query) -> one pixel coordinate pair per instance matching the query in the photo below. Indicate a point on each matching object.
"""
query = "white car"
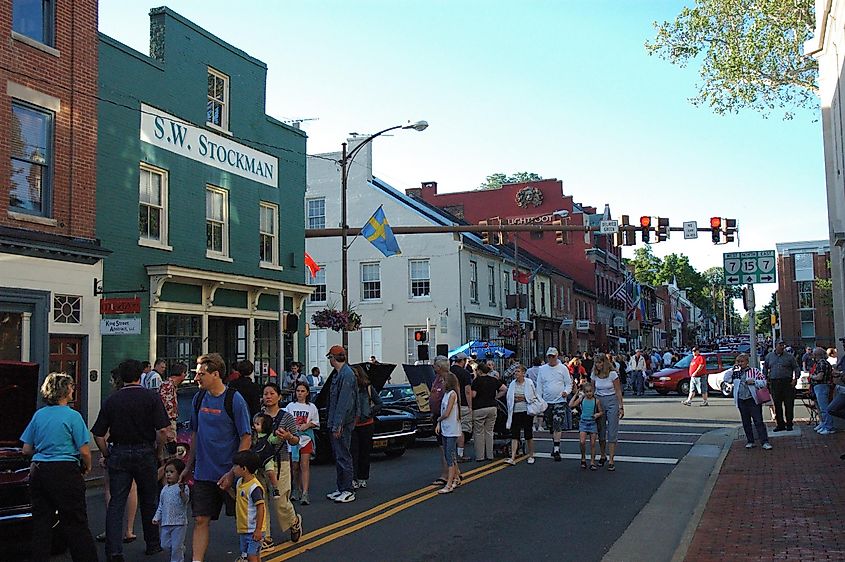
(716, 383)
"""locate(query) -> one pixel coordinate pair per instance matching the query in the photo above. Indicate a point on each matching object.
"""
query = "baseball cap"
(552, 351)
(336, 350)
(460, 356)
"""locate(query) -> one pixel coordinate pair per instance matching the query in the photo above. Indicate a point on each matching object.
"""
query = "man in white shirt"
(554, 385)
(667, 359)
(636, 370)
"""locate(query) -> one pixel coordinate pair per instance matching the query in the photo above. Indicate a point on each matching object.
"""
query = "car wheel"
(394, 453)
(662, 391)
(727, 392)
(683, 387)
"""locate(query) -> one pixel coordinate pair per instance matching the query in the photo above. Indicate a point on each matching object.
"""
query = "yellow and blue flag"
(378, 232)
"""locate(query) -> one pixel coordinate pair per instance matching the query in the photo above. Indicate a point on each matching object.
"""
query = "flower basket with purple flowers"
(337, 320)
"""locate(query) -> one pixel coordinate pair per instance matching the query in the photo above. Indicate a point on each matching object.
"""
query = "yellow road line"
(480, 472)
(323, 530)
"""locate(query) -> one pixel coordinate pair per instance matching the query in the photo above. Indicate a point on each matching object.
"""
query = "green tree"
(495, 181)
(646, 265)
(750, 53)
(763, 320)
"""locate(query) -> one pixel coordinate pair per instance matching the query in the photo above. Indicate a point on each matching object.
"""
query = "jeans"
(822, 392)
(638, 382)
(173, 541)
(125, 464)
(60, 486)
(483, 421)
(362, 446)
(749, 411)
(343, 458)
(783, 396)
(837, 405)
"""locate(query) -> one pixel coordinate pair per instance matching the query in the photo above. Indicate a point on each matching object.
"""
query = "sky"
(561, 88)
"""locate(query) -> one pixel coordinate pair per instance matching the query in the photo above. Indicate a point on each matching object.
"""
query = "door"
(227, 336)
(66, 357)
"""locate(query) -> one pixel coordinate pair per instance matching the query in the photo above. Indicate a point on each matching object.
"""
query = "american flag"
(625, 291)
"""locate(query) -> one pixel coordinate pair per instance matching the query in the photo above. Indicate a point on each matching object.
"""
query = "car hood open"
(18, 399)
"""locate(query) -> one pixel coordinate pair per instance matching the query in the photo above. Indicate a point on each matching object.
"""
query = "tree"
(763, 320)
(750, 51)
(646, 265)
(495, 181)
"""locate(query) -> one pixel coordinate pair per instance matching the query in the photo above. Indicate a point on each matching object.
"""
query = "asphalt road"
(548, 510)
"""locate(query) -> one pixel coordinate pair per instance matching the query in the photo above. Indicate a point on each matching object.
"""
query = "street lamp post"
(345, 163)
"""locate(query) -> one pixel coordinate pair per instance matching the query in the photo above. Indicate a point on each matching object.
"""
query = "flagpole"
(344, 250)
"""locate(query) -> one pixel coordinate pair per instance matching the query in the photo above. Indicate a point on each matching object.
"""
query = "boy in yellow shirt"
(250, 510)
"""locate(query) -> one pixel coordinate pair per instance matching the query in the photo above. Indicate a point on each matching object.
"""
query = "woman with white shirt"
(609, 392)
(521, 392)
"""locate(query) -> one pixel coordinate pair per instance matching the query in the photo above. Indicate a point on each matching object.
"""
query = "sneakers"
(362, 483)
(305, 499)
(705, 403)
(510, 461)
(267, 542)
(333, 495)
(556, 456)
(345, 497)
(296, 529)
(530, 460)
(686, 403)
(767, 446)
(749, 445)
(818, 427)
(825, 431)
(355, 485)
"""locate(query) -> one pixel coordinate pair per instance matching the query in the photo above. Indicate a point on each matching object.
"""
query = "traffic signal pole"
(331, 232)
(752, 328)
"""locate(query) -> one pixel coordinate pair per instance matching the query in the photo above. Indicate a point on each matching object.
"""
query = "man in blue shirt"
(219, 431)
(342, 410)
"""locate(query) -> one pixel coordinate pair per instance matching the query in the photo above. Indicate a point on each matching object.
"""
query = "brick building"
(806, 311)
(590, 259)
(48, 115)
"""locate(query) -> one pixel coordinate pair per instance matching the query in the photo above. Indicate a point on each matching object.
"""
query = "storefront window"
(266, 350)
(10, 336)
(179, 338)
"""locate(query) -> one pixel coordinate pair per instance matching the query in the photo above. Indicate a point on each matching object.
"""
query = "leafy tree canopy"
(495, 181)
(750, 53)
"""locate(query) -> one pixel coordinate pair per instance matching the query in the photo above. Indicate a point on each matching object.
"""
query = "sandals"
(446, 490)
(611, 467)
(593, 467)
(602, 461)
(510, 461)
(583, 465)
(439, 482)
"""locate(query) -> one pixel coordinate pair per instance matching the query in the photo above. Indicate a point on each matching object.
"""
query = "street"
(561, 510)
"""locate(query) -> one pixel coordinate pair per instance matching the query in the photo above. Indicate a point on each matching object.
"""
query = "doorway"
(66, 356)
(227, 336)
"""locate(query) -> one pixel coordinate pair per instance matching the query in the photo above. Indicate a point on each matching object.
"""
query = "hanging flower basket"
(337, 320)
(511, 329)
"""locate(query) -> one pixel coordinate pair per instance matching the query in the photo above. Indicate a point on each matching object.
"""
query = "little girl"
(449, 428)
(590, 411)
(262, 426)
(172, 512)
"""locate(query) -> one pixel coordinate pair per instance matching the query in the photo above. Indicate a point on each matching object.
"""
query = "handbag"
(762, 396)
(536, 406)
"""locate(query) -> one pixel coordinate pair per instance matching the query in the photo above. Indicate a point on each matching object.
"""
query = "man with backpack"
(221, 427)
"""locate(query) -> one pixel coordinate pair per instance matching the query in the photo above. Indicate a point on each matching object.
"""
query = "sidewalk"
(783, 504)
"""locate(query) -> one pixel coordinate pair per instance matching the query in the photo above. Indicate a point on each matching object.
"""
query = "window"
(315, 213)
(32, 155)
(216, 222)
(473, 281)
(67, 309)
(808, 324)
(491, 284)
(152, 208)
(218, 100)
(178, 337)
(805, 294)
(34, 19)
(506, 282)
(804, 267)
(317, 349)
(371, 343)
(370, 281)
(11, 336)
(542, 297)
(268, 227)
(420, 278)
(319, 282)
(412, 345)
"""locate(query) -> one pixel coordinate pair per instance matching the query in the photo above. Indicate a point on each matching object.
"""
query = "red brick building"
(590, 259)
(48, 115)
(805, 308)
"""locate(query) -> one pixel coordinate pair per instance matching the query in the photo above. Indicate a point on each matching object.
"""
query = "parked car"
(18, 401)
(676, 377)
(402, 396)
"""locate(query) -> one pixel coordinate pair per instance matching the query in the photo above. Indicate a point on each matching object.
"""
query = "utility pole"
(518, 303)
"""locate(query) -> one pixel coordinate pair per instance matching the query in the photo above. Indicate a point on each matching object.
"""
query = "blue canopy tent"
(481, 348)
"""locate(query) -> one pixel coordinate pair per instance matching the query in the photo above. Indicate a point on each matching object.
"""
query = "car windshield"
(397, 393)
(683, 361)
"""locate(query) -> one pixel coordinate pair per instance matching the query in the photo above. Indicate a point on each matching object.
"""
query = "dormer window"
(218, 100)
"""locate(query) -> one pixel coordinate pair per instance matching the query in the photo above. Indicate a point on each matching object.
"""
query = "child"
(590, 411)
(262, 426)
(307, 418)
(250, 510)
(172, 512)
(449, 427)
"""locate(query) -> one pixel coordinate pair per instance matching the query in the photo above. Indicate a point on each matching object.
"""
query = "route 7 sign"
(743, 268)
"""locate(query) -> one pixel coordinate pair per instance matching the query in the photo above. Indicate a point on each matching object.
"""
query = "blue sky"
(561, 88)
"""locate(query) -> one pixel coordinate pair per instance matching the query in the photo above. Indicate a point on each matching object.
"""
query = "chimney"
(430, 185)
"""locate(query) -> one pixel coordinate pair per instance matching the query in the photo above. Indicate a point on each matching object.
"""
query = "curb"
(664, 527)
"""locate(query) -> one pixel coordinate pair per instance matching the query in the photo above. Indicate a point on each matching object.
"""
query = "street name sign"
(743, 268)
(609, 227)
(690, 230)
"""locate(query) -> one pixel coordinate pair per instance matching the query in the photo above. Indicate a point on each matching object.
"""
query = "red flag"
(521, 277)
(311, 265)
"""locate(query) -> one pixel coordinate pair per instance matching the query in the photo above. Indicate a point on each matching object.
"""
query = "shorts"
(297, 450)
(450, 450)
(521, 421)
(466, 419)
(207, 498)
(556, 417)
(698, 384)
(249, 546)
(588, 426)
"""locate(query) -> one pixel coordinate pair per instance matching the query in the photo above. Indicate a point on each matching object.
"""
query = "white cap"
(552, 351)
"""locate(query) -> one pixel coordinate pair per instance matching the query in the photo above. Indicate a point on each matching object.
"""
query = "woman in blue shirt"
(57, 439)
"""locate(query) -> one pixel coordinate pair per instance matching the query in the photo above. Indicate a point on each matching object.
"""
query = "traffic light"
(629, 235)
(728, 230)
(662, 234)
(645, 224)
(420, 336)
(485, 235)
(716, 229)
(491, 236)
(559, 237)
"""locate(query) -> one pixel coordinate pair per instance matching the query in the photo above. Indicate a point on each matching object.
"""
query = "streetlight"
(345, 163)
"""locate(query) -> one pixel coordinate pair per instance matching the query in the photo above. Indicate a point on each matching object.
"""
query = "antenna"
(295, 123)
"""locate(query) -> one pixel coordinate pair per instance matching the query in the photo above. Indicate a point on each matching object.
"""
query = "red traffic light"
(420, 335)
(715, 222)
(645, 222)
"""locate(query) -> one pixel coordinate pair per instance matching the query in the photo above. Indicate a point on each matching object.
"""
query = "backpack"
(228, 405)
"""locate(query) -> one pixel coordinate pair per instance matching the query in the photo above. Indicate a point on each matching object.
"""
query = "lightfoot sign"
(176, 135)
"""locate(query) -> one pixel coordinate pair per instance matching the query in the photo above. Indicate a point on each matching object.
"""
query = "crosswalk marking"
(633, 441)
(618, 458)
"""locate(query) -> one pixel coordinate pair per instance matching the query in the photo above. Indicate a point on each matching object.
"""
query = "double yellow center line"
(357, 522)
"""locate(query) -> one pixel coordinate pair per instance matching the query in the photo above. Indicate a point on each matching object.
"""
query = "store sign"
(176, 135)
(583, 325)
(539, 219)
(567, 323)
(120, 306)
(120, 326)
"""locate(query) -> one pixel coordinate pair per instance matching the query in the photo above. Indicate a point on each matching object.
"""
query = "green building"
(200, 194)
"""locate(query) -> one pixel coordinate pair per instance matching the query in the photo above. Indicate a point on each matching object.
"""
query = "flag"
(678, 316)
(521, 277)
(378, 232)
(311, 265)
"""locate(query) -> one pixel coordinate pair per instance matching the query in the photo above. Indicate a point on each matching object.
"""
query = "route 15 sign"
(743, 268)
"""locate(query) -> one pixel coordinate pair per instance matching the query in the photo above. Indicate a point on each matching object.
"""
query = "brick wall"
(67, 72)
(790, 318)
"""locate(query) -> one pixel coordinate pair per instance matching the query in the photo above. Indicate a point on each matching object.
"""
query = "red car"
(676, 378)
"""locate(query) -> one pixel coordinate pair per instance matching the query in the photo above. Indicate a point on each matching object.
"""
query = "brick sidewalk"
(750, 515)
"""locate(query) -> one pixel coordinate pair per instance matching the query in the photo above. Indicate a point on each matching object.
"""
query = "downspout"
(460, 292)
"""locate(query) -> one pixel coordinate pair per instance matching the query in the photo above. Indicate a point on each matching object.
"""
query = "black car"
(402, 396)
